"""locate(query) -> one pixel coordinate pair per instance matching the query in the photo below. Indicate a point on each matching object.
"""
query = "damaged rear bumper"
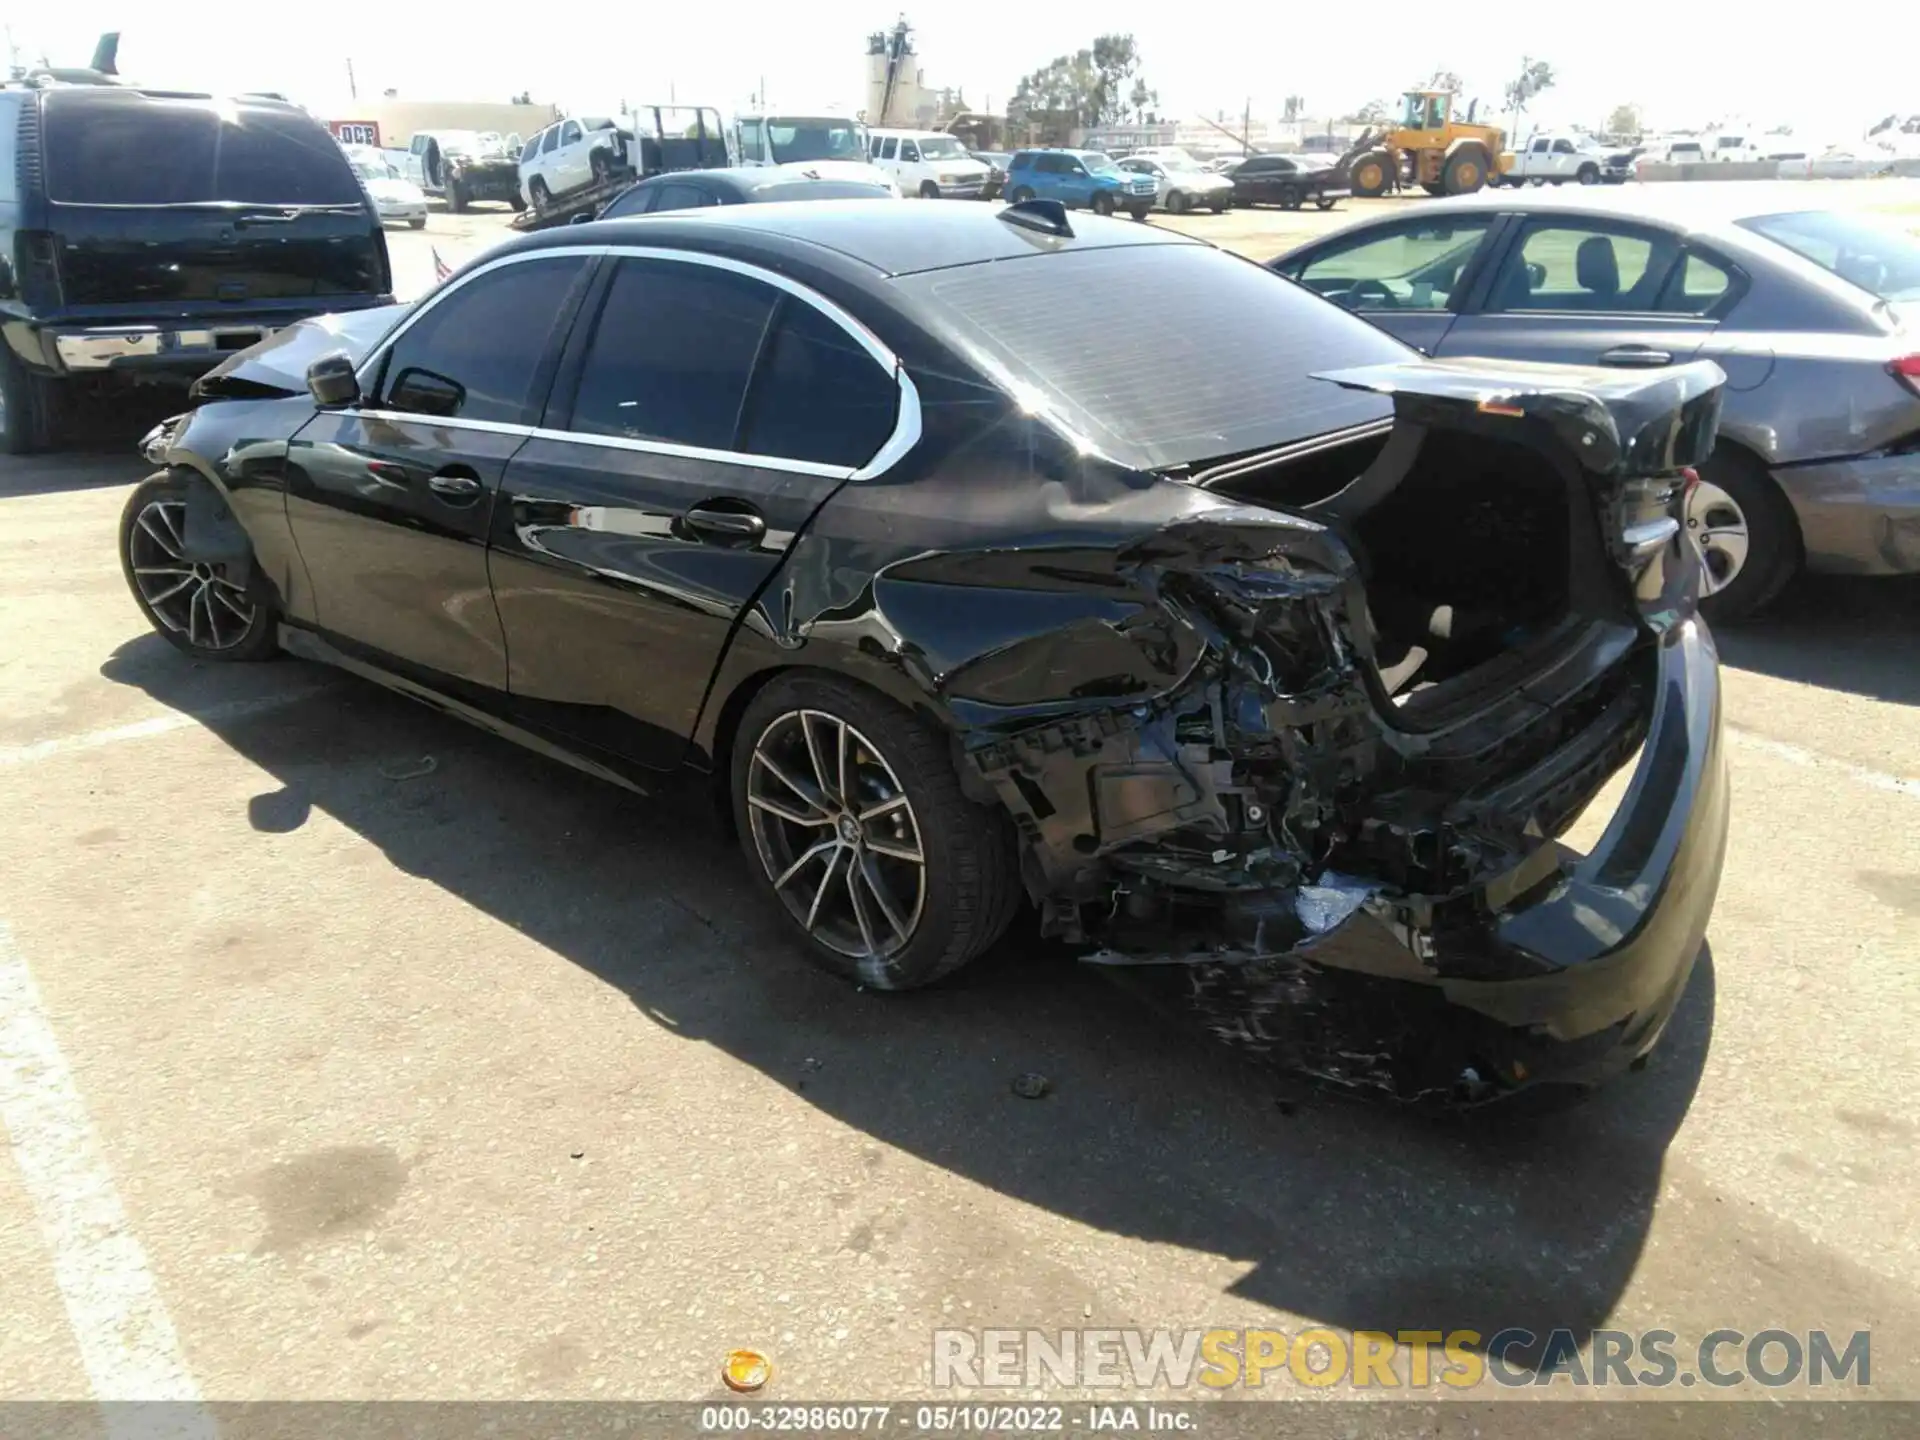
(1563, 971)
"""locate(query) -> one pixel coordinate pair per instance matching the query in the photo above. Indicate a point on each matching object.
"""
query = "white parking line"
(127, 1342)
(1813, 759)
(142, 729)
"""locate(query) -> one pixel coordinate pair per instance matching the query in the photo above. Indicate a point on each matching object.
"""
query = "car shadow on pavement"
(1352, 1213)
(1839, 631)
(97, 445)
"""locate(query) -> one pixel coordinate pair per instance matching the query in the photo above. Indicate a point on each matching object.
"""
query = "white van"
(929, 164)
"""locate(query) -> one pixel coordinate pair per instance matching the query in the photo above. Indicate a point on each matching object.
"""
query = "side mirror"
(332, 381)
(582, 218)
(422, 392)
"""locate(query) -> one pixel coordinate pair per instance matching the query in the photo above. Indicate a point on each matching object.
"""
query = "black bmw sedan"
(1242, 643)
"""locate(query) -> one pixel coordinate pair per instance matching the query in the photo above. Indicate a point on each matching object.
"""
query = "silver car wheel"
(836, 834)
(190, 597)
(1717, 528)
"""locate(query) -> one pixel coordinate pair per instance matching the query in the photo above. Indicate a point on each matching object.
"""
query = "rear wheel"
(1103, 204)
(1325, 203)
(28, 406)
(1177, 202)
(1371, 174)
(456, 195)
(1022, 194)
(1743, 532)
(1289, 197)
(851, 815)
(416, 222)
(211, 610)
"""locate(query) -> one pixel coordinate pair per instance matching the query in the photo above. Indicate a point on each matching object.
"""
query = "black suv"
(145, 235)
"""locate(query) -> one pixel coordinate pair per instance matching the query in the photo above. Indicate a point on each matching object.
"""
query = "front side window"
(750, 140)
(569, 132)
(909, 152)
(1563, 147)
(942, 147)
(671, 354)
(1566, 266)
(818, 395)
(475, 354)
(1412, 267)
(552, 141)
(533, 149)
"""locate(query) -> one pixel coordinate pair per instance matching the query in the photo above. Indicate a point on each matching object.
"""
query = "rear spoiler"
(1619, 423)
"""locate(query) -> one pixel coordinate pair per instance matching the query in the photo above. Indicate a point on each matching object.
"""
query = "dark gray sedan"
(1814, 315)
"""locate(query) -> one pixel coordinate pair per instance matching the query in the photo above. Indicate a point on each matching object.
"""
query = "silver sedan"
(1813, 313)
(1183, 187)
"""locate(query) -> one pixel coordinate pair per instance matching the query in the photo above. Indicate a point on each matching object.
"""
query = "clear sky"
(1829, 70)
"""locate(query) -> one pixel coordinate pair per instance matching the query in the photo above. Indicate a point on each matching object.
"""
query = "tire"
(1372, 174)
(1022, 194)
(1589, 175)
(456, 196)
(929, 190)
(1140, 212)
(1103, 204)
(600, 166)
(539, 195)
(517, 202)
(1734, 485)
(1466, 170)
(966, 883)
(29, 406)
(417, 222)
(1324, 204)
(220, 619)
(1433, 189)
(1289, 197)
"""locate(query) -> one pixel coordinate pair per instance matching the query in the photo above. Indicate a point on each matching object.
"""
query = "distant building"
(898, 94)
(392, 123)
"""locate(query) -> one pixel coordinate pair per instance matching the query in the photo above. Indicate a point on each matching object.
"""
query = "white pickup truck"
(462, 166)
(1555, 159)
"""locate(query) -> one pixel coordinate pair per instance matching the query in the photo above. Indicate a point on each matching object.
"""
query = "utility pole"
(1246, 127)
(352, 89)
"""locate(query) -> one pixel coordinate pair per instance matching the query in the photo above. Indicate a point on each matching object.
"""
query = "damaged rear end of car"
(1410, 655)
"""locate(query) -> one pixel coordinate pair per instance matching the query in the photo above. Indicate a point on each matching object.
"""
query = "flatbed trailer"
(575, 205)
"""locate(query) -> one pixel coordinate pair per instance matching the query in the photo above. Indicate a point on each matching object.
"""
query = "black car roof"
(892, 237)
(107, 97)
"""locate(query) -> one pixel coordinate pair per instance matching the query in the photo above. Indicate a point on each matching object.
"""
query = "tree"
(1625, 120)
(1374, 112)
(1445, 80)
(1141, 99)
(1086, 88)
(1534, 76)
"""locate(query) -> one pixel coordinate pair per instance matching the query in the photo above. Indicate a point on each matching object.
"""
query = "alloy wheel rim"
(190, 597)
(836, 834)
(1717, 530)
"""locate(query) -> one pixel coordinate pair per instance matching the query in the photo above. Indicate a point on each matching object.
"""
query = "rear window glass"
(1164, 354)
(1872, 253)
(184, 152)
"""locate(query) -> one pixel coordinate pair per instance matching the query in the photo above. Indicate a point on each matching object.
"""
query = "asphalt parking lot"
(351, 1053)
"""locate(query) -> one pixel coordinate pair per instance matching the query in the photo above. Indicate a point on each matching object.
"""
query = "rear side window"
(475, 355)
(672, 353)
(137, 151)
(818, 395)
(634, 200)
(679, 197)
(1230, 368)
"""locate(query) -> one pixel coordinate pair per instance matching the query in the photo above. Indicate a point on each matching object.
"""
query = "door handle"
(726, 527)
(457, 487)
(1636, 357)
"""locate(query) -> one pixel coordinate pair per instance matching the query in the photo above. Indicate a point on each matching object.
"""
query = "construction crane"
(897, 46)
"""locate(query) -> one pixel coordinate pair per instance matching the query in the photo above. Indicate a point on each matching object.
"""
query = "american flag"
(441, 270)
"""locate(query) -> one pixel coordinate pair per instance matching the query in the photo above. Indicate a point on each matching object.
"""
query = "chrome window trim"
(906, 424)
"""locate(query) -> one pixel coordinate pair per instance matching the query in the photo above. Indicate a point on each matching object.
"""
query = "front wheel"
(1325, 204)
(537, 192)
(211, 609)
(416, 222)
(456, 196)
(1139, 212)
(1589, 175)
(851, 815)
(600, 165)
